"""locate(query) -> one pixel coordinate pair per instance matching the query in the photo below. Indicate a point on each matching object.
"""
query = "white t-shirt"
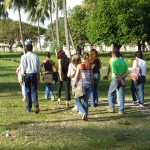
(72, 69)
(141, 64)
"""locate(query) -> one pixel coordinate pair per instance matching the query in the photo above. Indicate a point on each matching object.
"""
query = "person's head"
(47, 55)
(93, 55)
(29, 47)
(85, 59)
(61, 54)
(115, 53)
(75, 59)
(139, 55)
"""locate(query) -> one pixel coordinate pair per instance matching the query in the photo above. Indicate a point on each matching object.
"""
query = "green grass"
(57, 127)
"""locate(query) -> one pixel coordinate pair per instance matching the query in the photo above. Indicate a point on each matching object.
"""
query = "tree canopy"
(119, 22)
(9, 31)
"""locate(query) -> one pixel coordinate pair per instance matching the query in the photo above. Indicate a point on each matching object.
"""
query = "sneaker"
(135, 102)
(74, 108)
(110, 111)
(52, 98)
(141, 105)
(120, 113)
(79, 113)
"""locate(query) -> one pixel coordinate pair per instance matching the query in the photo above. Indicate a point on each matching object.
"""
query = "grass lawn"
(57, 127)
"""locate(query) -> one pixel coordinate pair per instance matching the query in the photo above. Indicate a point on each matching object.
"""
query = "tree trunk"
(39, 36)
(139, 45)
(143, 46)
(70, 35)
(51, 17)
(66, 28)
(57, 25)
(20, 26)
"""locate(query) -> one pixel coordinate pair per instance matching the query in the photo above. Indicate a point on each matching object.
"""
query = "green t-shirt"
(119, 66)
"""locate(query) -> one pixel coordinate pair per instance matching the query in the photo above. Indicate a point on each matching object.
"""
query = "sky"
(14, 15)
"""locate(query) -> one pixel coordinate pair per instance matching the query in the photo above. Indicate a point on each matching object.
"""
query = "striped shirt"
(85, 74)
(30, 63)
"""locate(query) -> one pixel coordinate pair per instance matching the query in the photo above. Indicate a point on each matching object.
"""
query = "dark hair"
(47, 54)
(29, 47)
(85, 55)
(116, 53)
(139, 54)
(61, 54)
(93, 55)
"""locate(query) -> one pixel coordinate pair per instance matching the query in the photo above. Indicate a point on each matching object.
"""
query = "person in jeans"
(30, 71)
(119, 73)
(139, 62)
(84, 75)
(96, 65)
(48, 65)
(63, 64)
(72, 71)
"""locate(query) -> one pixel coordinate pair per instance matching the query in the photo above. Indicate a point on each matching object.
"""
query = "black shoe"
(37, 110)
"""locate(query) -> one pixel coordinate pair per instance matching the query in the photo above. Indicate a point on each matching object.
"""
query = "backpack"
(136, 73)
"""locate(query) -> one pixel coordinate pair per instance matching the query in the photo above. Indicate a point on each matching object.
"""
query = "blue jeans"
(94, 89)
(49, 91)
(83, 107)
(135, 96)
(31, 90)
(115, 84)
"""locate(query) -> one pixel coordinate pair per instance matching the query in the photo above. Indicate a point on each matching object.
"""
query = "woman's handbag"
(47, 78)
(79, 92)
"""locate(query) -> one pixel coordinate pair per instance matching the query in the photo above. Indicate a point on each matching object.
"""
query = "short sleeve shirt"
(119, 66)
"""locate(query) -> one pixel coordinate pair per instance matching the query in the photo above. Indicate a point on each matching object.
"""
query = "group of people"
(82, 73)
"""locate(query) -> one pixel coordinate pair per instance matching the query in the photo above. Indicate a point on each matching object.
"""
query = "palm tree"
(35, 15)
(57, 25)
(48, 5)
(17, 5)
(66, 27)
(3, 13)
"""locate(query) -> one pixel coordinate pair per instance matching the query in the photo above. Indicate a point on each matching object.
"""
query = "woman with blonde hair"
(83, 74)
(72, 71)
(96, 65)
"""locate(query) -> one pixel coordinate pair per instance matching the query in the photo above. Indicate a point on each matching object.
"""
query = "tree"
(36, 14)
(78, 19)
(3, 13)
(61, 31)
(119, 22)
(9, 34)
(17, 4)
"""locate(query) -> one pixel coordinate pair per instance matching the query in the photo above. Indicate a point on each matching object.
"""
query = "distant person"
(72, 71)
(18, 72)
(30, 71)
(84, 75)
(140, 63)
(48, 65)
(96, 66)
(63, 64)
(119, 73)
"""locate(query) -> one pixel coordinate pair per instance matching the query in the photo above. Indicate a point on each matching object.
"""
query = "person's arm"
(60, 69)
(41, 66)
(109, 68)
(55, 66)
(69, 71)
(76, 75)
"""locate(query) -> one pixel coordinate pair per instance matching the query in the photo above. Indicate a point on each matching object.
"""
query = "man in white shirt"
(30, 71)
(139, 62)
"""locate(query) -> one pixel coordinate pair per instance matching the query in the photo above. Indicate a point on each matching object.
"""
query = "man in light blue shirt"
(30, 71)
